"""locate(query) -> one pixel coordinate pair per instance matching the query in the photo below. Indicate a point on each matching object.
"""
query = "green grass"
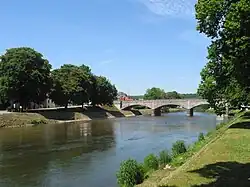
(222, 159)
(21, 119)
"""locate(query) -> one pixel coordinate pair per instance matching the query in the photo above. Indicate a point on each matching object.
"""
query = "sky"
(136, 44)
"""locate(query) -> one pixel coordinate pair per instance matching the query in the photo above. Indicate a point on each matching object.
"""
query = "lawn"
(225, 161)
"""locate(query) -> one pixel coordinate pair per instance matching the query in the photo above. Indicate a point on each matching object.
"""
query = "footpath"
(223, 162)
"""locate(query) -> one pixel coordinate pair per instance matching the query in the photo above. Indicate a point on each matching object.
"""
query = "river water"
(88, 154)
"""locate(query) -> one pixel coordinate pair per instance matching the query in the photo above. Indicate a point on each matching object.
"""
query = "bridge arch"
(169, 106)
(200, 104)
(156, 105)
(135, 105)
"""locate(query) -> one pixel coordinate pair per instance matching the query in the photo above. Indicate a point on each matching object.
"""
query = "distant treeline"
(190, 96)
(183, 96)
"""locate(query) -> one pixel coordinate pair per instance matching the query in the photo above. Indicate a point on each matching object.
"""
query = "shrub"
(201, 137)
(219, 126)
(164, 158)
(151, 162)
(178, 148)
(130, 173)
(38, 121)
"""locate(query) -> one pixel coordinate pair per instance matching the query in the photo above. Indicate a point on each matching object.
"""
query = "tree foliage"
(154, 93)
(173, 95)
(70, 84)
(24, 76)
(190, 96)
(104, 93)
(77, 85)
(158, 93)
(225, 78)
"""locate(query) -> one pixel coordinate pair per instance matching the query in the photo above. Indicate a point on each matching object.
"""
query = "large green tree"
(225, 78)
(173, 95)
(71, 84)
(104, 93)
(154, 93)
(24, 76)
(87, 83)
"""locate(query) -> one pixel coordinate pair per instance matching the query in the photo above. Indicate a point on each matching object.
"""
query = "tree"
(220, 91)
(104, 93)
(190, 96)
(225, 78)
(71, 84)
(87, 83)
(173, 95)
(154, 93)
(24, 76)
(209, 90)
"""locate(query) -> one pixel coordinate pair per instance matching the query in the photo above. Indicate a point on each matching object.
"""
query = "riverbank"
(49, 116)
(222, 159)
(14, 120)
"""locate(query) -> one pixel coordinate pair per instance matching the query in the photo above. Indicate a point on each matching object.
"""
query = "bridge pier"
(156, 112)
(190, 112)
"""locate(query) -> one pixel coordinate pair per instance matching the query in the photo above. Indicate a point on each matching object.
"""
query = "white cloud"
(175, 8)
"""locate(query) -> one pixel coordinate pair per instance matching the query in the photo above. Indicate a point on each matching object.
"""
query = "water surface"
(88, 154)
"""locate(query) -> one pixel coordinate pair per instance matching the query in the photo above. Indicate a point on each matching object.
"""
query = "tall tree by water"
(226, 76)
(24, 76)
(104, 93)
(87, 83)
(154, 93)
(71, 84)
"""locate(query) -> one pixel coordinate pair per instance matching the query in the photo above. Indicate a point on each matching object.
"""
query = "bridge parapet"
(154, 104)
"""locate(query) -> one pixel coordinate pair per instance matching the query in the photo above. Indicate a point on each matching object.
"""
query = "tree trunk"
(66, 106)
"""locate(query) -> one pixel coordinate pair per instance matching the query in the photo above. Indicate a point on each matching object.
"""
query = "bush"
(178, 148)
(151, 162)
(220, 125)
(38, 121)
(201, 137)
(130, 173)
(164, 158)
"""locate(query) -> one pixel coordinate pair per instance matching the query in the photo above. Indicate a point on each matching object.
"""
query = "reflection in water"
(27, 154)
(88, 154)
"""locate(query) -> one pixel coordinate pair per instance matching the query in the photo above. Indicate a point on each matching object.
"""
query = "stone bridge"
(156, 105)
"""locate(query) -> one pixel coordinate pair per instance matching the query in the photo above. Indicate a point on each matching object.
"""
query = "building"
(123, 97)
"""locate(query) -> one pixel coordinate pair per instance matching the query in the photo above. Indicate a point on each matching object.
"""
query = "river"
(88, 154)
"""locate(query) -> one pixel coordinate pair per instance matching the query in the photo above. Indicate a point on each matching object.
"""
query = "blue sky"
(137, 44)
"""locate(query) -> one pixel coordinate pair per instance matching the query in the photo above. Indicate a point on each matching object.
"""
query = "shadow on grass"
(241, 125)
(224, 174)
(228, 174)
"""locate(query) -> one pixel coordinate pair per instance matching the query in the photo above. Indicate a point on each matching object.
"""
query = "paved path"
(4, 111)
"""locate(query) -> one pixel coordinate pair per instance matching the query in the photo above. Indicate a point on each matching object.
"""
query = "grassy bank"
(22, 119)
(46, 116)
(222, 159)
